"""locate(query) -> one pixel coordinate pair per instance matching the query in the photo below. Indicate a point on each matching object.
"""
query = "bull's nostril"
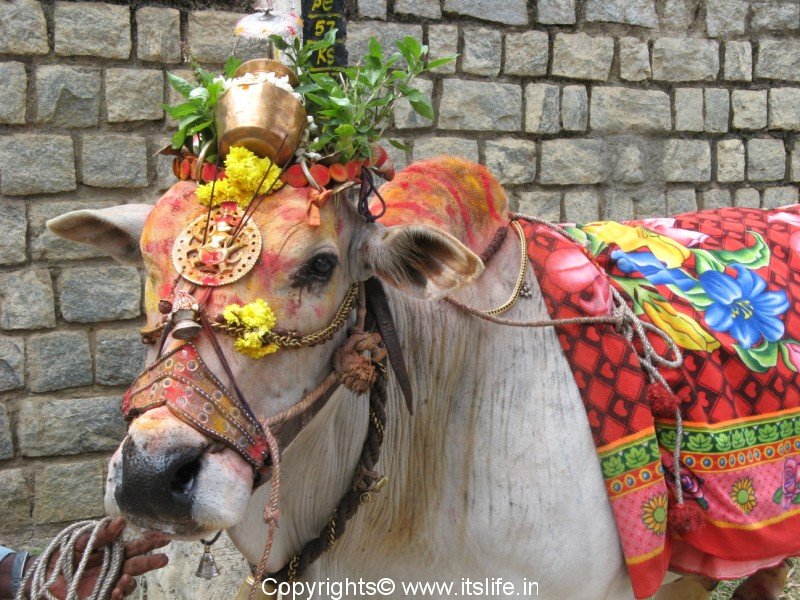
(183, 480)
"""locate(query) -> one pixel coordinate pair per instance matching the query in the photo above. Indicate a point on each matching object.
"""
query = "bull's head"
(171, 476)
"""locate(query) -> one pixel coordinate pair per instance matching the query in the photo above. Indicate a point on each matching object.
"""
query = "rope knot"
(354, 369)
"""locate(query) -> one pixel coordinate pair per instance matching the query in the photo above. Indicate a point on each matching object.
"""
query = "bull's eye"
(318, 270)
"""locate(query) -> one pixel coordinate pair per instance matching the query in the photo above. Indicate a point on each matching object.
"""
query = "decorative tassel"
(663, 403)
(685, 517)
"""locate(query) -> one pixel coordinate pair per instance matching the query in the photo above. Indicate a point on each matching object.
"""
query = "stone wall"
(584, 109)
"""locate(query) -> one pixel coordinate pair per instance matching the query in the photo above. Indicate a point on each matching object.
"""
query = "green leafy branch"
(354, 106)
(195, 115)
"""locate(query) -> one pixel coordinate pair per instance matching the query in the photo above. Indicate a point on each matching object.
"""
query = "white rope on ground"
(64, 545)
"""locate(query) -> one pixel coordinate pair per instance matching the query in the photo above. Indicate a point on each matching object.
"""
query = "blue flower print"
(742, 307)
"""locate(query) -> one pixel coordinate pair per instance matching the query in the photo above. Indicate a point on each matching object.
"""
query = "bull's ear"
(116, 230)
(420, 260)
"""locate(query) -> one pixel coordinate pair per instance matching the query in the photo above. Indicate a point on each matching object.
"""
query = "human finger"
(107, 534)
(126, 585)
(138, 565)
(146, 543)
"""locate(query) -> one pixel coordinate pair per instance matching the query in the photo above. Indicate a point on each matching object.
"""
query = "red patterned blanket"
(725, 286)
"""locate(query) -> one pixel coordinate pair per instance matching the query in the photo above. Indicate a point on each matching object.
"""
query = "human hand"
(137, 561)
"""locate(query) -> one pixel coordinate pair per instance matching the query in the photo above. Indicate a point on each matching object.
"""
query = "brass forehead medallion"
(221, 259)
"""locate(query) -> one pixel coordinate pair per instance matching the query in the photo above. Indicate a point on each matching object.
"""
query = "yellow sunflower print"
(654, 514)
(744, 495)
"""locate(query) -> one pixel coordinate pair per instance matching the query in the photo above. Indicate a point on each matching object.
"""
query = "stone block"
(445, 146)
(165, 178)
(581, 206)
(57, 427)
(622, 109)
(689, 109)
(574, 108)
(69, 492)
(730, 160)
(687, 160)
(92, 294)
(794, 174)
(526, 53)
(775, 17)
(511, 160)
(480, 106)
(778, 59)
(67, 96)
(747, 198)
(542, 108)
(545, 205)
(685, 59)
(359, 34)
(12, 365)
(15, 225)
(619, 206)
(13, 93)
(23, 28)
(514, 12)
(677, 14)
(634, 59)
(738, 61)
(766, 159)
(92, 29)
(784, 108)
(134, 95)
(26, 300)
(6, 443)
(420, 8)
(630, 164)
(715, 198)
(158, 32)
(777, 197)
(576, 161)
(749, 109)
(128, 167)
(629, 12)
(717, 110)
(681, 200)
(36, 164)
(649, 203)
(483, 49)
(372, 9)
(725, 17)
(211, 35)
(555, 12)
(45, 245)
(59, 360)
(581, 56)
(119, 356)
(16, 499)
(443, 41)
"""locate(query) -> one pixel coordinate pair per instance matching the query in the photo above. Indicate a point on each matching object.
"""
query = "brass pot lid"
(262, 65)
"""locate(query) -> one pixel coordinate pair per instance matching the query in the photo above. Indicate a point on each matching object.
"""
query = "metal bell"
(186, 325)
(207, 569)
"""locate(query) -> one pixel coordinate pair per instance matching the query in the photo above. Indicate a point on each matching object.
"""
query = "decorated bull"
(667, 349)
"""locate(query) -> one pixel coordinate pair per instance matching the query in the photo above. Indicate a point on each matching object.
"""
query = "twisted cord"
(64, 545)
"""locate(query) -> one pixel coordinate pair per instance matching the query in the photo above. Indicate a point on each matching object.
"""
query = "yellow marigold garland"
(258, 320)
(244, 172)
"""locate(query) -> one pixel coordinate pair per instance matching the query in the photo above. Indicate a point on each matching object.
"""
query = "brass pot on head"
(258, 116)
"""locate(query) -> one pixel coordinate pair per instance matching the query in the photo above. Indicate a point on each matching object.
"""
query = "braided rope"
(64, 545)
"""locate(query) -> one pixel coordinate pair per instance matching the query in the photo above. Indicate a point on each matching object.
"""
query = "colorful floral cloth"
(725, 286)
